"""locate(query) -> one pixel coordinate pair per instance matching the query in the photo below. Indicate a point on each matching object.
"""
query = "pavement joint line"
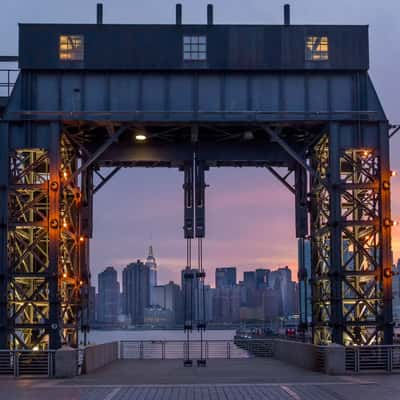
(112, 394)
(353, 379)
(290, 392)
(191, 385)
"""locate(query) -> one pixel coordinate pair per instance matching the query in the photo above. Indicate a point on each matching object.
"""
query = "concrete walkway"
(251, 379)
(164, 372)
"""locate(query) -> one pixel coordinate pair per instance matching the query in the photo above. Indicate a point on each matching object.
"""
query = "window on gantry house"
(317, 48)
(71, 47)
(194, 48)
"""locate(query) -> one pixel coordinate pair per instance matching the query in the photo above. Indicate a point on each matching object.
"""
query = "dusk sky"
(250, 217)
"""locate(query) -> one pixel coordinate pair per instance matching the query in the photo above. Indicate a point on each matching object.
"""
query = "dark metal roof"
(160, 47)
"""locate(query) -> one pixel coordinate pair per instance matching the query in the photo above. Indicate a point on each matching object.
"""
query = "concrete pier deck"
(250, 379)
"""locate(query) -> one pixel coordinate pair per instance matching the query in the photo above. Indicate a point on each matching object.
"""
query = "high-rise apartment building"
(225, 277)
(262, 277)
(108, 296)
(168, 297)
(92, 311)
(304, 276)
(396, 293)
(193, 310)
(136, 290)
(226, 304)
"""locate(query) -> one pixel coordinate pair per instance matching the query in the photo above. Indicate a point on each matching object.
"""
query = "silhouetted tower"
(152, 265)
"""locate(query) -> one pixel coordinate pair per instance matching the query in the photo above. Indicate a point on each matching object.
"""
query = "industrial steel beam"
(112, 139)
(276, 138)
(105, 179)
(282, 179)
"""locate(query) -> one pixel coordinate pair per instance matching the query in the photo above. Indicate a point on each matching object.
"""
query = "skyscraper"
(108, 296)
(225, 277)
(396, 292)
(262, 276)
(281, 279)
(304, 276)
(192, 295)
(92, 305)
(167, 296)
(249, 279)
(136, 289)
(152, 265)
(226, 304)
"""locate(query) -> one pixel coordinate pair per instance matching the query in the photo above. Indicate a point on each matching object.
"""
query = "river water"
(104, 336)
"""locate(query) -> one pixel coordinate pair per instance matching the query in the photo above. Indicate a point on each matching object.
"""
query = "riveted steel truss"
(351, 279)
(44, 246)
(28, 288)
(71, 243)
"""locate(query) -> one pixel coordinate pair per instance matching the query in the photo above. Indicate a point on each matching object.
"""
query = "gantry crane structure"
(193, 97)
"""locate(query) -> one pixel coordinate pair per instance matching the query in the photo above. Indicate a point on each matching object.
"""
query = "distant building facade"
(396, 293)
(262, 278)
(193, 310)
(92, 309)
(304, 276)
(226, 305)
(225, 277)
(136, 291)
(109, 292)
(168, 297)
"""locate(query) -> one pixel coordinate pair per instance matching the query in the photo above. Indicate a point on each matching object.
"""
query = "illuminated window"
(194, 48)
(317, 48)
(71, 47)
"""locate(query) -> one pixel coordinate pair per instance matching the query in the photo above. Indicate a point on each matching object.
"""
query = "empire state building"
(152, 265)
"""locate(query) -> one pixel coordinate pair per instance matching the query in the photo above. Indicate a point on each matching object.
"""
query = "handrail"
(180, 349)
(372, 358)
(27, 362)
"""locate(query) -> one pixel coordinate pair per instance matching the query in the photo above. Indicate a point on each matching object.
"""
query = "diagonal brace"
(276, 138)
(394, 130)
(282, 179)
(113, 138)
(105, 179)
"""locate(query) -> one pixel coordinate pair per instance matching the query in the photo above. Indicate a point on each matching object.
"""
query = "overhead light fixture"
(140, 137)
(248, 135)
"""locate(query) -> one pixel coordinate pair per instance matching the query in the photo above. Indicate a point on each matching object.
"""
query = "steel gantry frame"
(344, 189)
(350, 232)
(66, 119)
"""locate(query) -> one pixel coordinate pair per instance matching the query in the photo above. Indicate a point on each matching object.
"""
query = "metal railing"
(321, 357)
(27, 362)
(180, 349)
(373, 358)
(8, 77)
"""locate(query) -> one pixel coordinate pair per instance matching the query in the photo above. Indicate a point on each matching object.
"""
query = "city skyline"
(210, 273)
(246, 228)
(262, 295)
